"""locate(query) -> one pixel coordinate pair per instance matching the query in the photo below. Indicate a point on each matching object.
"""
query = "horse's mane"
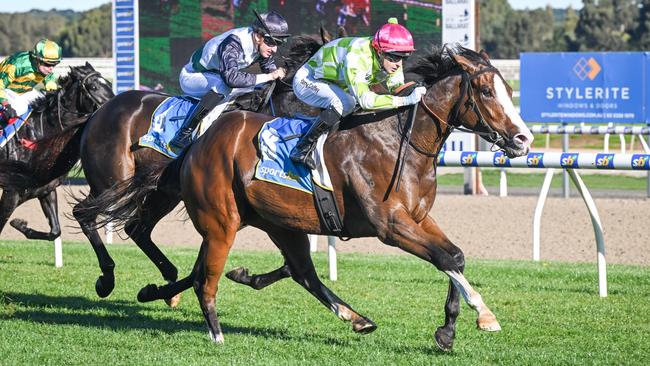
(301, 50)
(439, 62)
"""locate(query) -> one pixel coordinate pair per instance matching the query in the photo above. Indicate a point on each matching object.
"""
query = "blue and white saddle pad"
(276, 140)
(166, 120)
(10, 131)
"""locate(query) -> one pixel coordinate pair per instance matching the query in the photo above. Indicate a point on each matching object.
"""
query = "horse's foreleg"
(106, 282)
(8, 204)
(428, 242)
(50, 209)
(259, 281)
(139, 228)
(295, 248)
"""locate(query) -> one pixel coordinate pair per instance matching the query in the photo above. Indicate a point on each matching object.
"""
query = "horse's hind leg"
(139, 228)
(208, 270)
(428, 242)
(50, 209)
(106, 282)
(259, 281)
(295, 248)
(8, 204)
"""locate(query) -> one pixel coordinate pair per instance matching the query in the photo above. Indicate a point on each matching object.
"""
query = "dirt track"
(484, 227)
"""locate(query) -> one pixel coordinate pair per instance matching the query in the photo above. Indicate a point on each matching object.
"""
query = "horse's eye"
(486, 91)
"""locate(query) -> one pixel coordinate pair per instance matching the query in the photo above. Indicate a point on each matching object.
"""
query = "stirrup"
(304, 158)
(181, 140)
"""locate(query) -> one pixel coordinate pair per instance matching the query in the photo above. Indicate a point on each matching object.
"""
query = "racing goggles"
(395, 57)
(49, 63)
(272, 42)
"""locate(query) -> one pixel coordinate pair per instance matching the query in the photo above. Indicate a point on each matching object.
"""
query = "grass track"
(550, 312)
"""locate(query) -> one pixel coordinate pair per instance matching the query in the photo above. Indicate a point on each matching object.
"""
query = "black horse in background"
(81, 93)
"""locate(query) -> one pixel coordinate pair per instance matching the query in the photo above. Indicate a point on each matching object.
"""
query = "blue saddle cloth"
(166, 120)
(276, 140)
(10, 131)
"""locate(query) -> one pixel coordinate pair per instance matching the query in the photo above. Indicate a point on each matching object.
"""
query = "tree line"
(80, 34)
(601, 25)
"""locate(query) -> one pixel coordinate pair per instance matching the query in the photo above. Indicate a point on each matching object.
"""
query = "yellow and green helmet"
(47, 51)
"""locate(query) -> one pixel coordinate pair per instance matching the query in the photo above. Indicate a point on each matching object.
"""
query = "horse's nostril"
(521, 140)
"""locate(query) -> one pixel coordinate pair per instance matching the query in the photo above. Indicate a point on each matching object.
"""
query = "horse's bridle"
(87, 93)
(455, 118)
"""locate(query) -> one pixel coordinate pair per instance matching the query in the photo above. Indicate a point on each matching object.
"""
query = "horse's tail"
(52, 158)
(123, 200)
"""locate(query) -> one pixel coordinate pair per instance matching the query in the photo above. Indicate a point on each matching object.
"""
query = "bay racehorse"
(81, 93)
(216, 179)
(107, 145)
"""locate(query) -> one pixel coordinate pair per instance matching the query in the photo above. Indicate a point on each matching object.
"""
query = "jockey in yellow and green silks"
(21, 72)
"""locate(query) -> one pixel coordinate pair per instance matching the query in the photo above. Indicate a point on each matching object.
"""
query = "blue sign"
(125, 35)
(597, 87)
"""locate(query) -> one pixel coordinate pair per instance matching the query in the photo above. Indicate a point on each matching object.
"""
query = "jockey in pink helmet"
(340, 74)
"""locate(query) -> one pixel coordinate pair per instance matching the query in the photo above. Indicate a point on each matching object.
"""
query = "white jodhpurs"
(197, 84)
(318, 93)
(20, 102)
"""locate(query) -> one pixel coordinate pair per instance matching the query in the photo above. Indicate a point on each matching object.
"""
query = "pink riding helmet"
(393, 38)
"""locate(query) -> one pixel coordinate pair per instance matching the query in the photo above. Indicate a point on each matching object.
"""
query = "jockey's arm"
(230, 51)
(356, 69)
(7, 76)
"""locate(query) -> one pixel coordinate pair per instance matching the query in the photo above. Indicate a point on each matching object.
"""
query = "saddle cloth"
(276, 140)
(12, 128)
(168, 118)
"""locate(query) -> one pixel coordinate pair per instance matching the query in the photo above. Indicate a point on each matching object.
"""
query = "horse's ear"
(325, 36)
(484, 54)
(465, 63)
(89, 65)
(341, 32)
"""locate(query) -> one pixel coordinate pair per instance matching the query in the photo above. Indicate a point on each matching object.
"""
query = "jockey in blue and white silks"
(215, 73)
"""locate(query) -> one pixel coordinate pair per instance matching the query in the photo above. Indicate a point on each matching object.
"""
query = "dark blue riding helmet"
(271, 24)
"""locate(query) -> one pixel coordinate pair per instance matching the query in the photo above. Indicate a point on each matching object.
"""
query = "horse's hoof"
(18, 224)
(488, 322)
(444, 339)
(104, 286)
(148, 293)
(216, 338)
(239, 275)
(364, 326)
(174, 301)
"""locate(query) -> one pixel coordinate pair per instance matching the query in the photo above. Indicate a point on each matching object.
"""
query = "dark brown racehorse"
(110, 154)
(216, 180)
(82, 91)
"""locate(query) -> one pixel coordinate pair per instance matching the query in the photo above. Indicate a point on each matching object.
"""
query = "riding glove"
(7, 112)
(413, 98)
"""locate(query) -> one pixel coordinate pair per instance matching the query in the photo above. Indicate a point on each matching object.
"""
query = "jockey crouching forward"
(340, 74)
(21, 72)
(214, 72)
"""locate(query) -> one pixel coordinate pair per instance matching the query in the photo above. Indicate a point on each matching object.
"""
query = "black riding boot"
(184, 136)
(302, 152)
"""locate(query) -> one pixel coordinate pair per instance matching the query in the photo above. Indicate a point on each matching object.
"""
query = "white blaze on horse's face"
(524, 138)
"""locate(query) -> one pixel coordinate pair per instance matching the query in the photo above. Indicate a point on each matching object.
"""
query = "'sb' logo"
(500, 159)
(587, 68)
(604, 161)
(535, 160)
(468, 159)
(640, 162)
(569, 160)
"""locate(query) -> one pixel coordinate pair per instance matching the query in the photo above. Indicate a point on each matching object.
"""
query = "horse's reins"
(454, 121)
(90, 96)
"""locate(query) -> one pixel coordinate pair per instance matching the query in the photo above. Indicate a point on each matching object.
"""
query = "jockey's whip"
(407, 139)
